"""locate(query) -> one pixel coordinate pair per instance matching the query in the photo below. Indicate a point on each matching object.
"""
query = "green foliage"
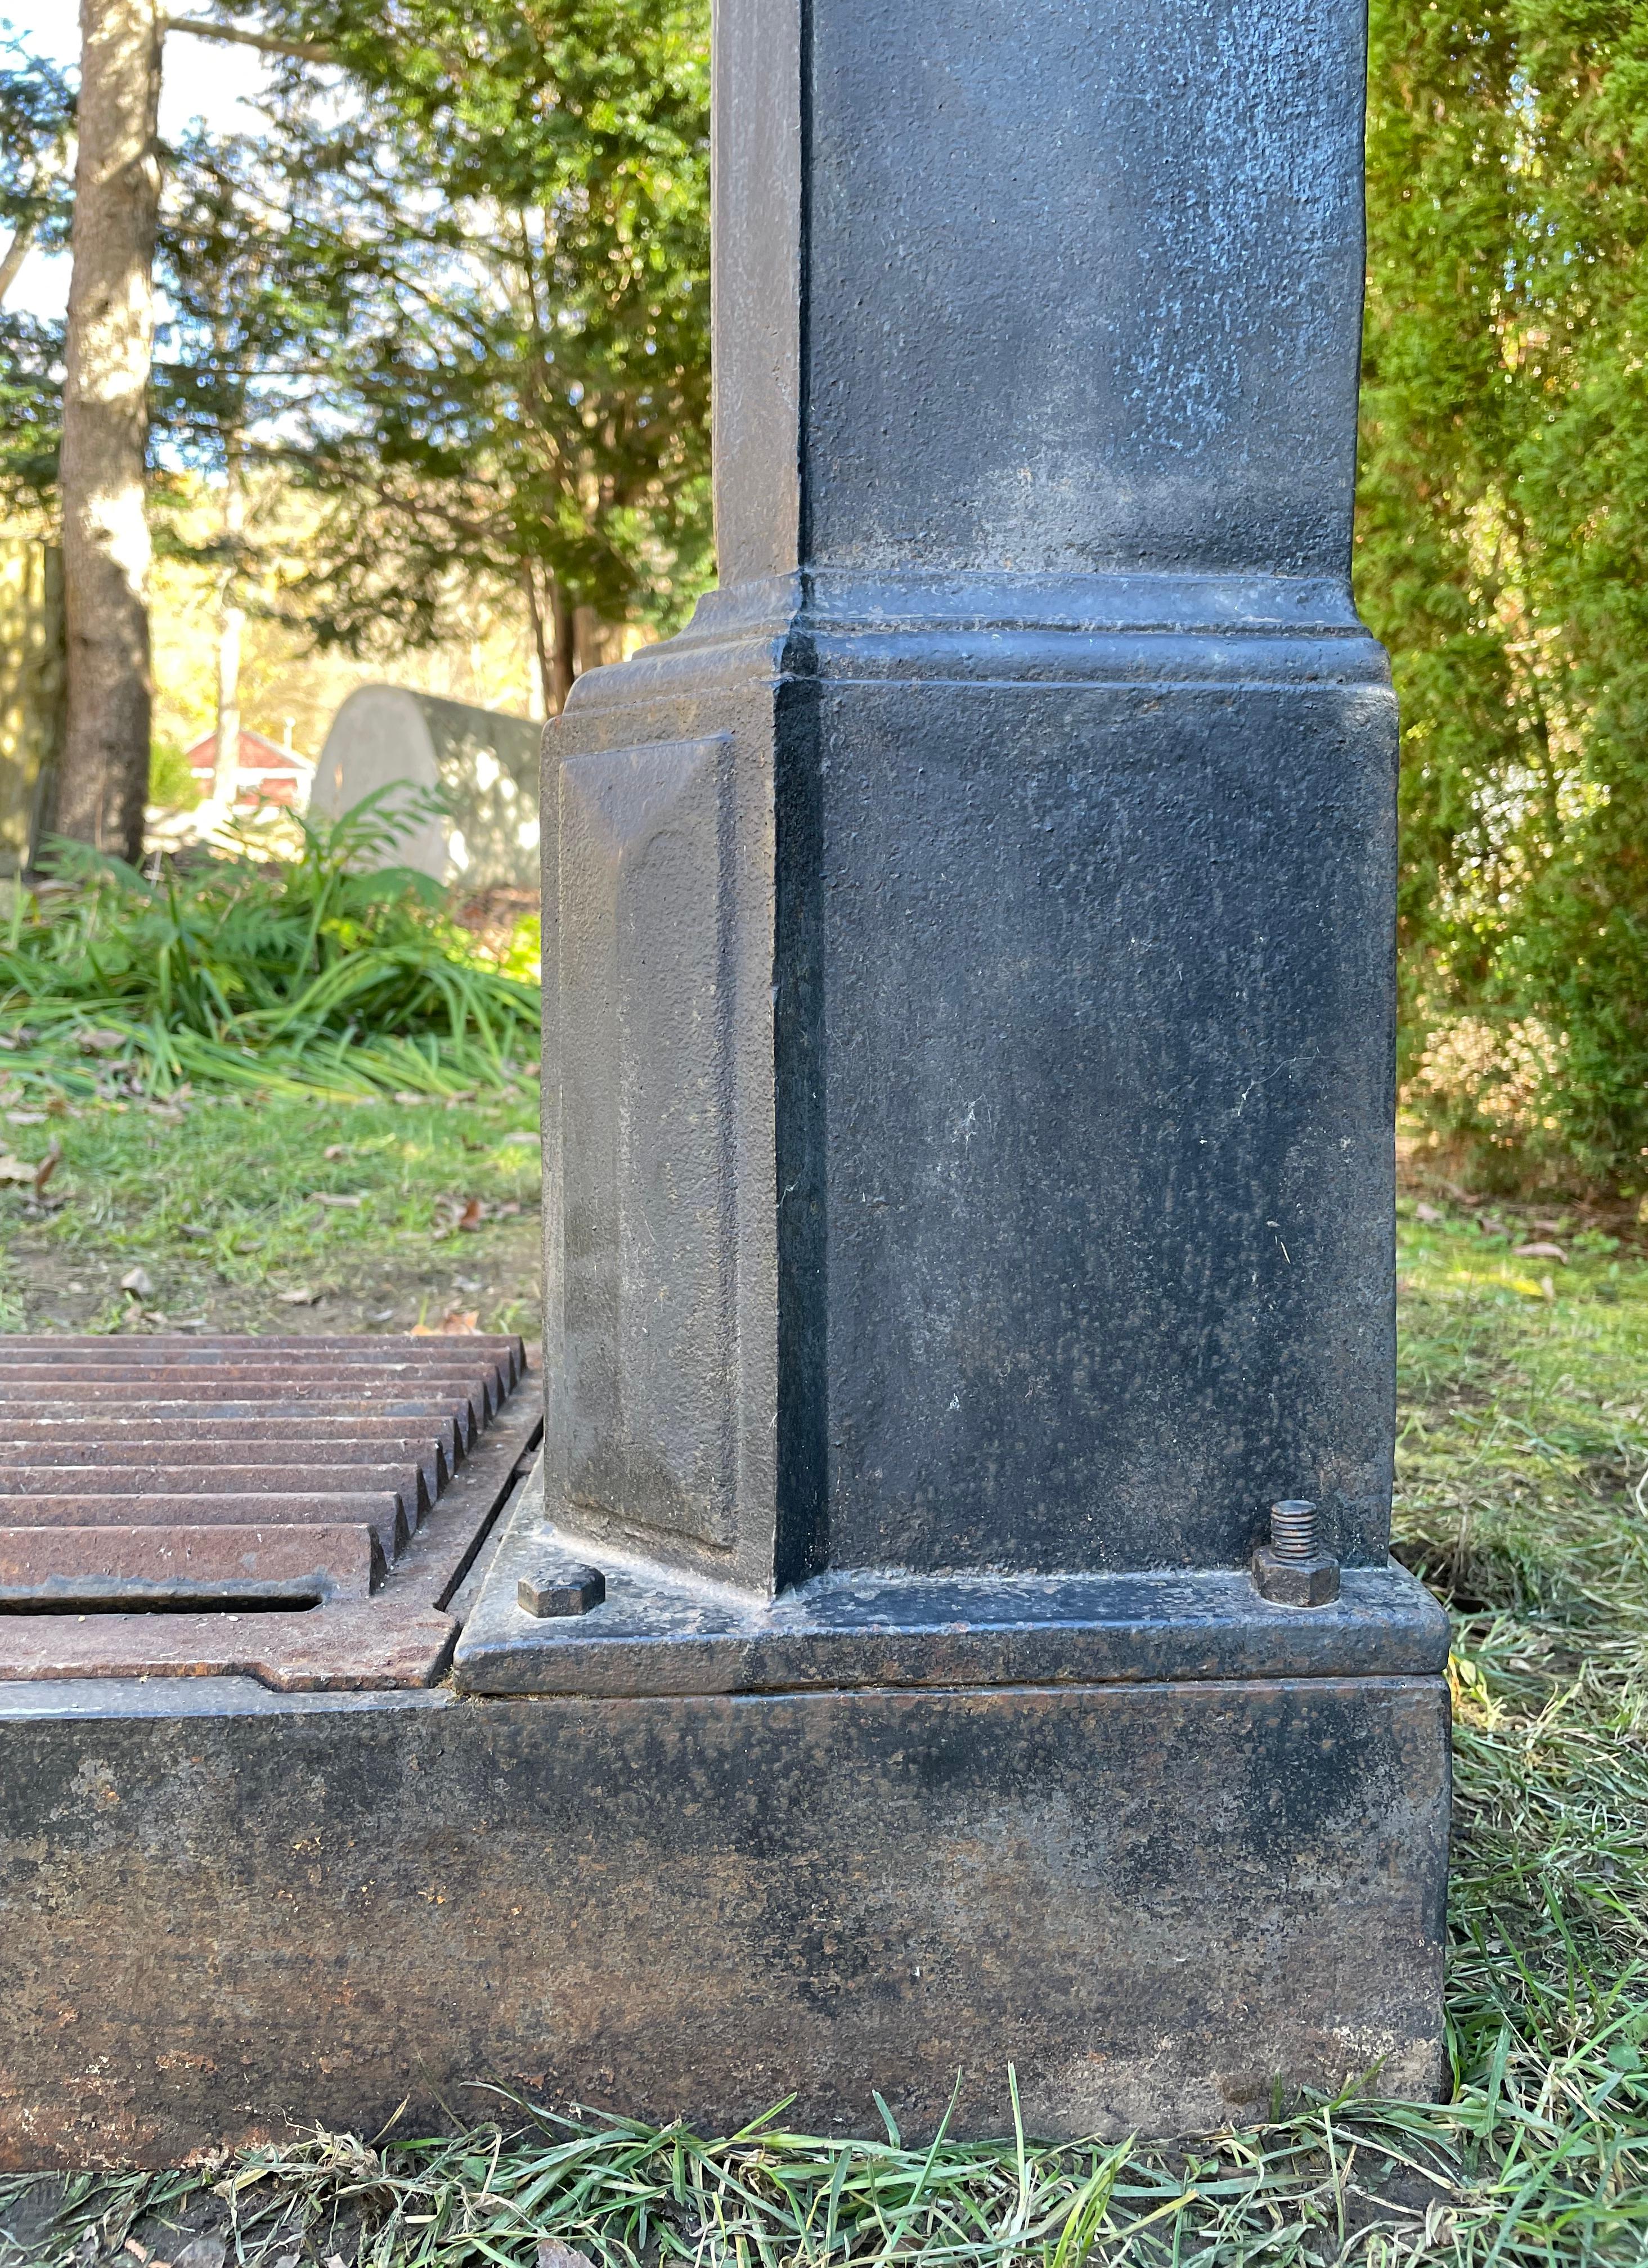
(36, 120)
(171, 784)
(291, 975)
(1504, 508)
(490, 237)
(458, 288)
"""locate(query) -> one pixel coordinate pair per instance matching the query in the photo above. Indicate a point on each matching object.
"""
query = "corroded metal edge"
(659, 1632)
(401, 1636)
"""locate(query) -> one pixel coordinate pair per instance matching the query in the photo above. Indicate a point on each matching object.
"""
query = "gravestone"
(466, 778)
(969, 968)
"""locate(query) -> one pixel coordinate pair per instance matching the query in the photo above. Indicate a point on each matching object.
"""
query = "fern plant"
(329, 972)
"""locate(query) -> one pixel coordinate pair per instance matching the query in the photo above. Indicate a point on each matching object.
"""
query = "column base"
(222, 1909)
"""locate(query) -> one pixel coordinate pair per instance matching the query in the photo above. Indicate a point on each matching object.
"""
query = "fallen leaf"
(302, 1295)
(47, 1167)
(459, 1212)
(330, 1197)
(1540, 1252)
(414, 1101)
(98, 1042)
(553, 2254)
(26, 1117)
(1428, 1213)
(138, 1282)
(1548, 1287)
(334, 1150)
(15, 1169)
(453, 1324)
(521, 1141)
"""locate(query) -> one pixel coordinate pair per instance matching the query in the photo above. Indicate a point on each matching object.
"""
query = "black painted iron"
(968, 1034)
(968, 1110)
(226, 1910)
(969, 1051)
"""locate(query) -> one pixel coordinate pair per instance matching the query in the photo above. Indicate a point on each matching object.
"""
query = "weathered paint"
(221, 1909)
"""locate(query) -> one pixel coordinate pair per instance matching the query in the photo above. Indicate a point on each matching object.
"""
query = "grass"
(275, 1212)
(1523, 1456)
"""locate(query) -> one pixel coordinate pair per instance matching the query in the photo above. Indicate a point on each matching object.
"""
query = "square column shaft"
(971, 1046)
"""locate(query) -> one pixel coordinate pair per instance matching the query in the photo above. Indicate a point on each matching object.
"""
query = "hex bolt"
(1292, 1570)
(569, 1590)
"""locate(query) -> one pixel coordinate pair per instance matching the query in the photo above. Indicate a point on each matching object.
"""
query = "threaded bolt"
(1293, 1531)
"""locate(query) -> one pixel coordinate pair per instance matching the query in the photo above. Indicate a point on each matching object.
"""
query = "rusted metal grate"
(301, 1510)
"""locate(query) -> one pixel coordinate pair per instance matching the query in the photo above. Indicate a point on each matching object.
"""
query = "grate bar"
(342, 1559)
(385, 1514)
(127, 1440)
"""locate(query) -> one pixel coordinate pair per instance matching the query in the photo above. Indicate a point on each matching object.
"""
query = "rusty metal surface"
(236, 1391)
(299, 1510)
(222, 1910)
(51, 1563)
(223, 1476)
(401, 1636)
(383, 1513)
(439, 1448)
(501, 1352)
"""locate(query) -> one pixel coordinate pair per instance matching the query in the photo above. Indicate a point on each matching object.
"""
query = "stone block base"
(223, 1909)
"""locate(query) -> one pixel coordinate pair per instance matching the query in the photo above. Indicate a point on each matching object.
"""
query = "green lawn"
(273, 1214)
(1524, 1455)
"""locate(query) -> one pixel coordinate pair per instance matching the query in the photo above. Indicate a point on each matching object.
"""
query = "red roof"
(268, 774)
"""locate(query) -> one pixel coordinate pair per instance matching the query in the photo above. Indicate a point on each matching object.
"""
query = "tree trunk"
(225, 769)
(16, 253)
(540, 645)
(552, 640)
(103, 776)
(562, 669)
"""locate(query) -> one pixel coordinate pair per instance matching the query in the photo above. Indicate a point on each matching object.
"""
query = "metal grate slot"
(137, 1601)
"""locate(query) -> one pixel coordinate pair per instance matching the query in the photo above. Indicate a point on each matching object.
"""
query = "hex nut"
(1295, 1582)
(570, 1590)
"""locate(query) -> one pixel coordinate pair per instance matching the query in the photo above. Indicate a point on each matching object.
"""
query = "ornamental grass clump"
(326, 973)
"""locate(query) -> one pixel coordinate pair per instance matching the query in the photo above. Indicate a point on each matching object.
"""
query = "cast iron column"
(968, 1071)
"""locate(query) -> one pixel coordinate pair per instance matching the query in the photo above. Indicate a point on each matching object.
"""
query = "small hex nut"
(1295, 1582)
(568, 1591)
